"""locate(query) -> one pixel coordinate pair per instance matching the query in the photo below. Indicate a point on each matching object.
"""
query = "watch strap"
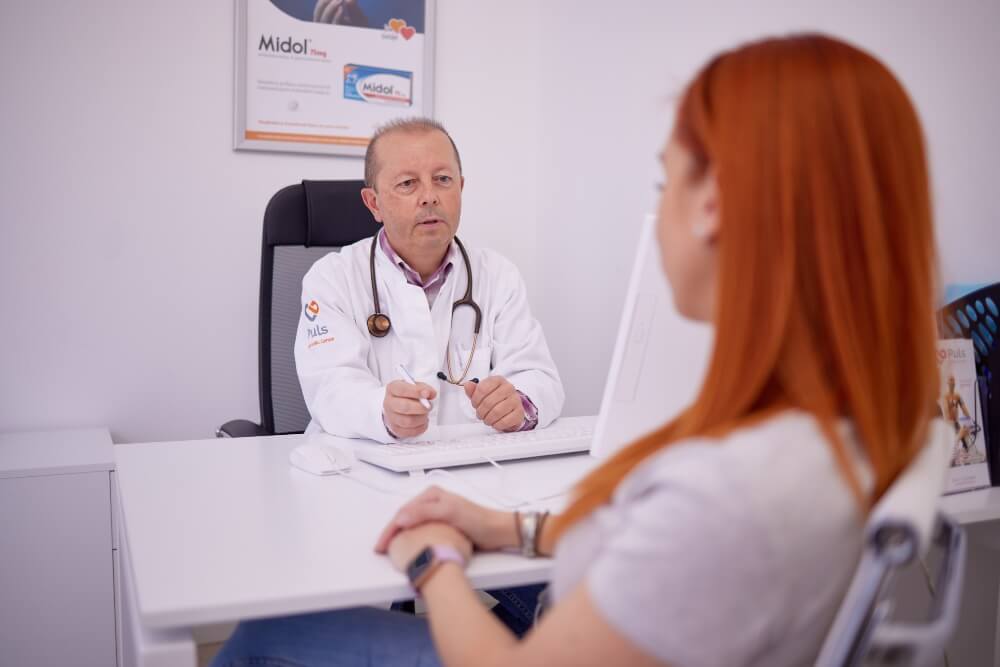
(446, 553)
(437, 554)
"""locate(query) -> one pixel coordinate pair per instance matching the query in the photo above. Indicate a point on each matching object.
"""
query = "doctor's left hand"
(497, 402)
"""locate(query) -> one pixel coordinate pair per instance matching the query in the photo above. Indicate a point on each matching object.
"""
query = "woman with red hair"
(796, 218)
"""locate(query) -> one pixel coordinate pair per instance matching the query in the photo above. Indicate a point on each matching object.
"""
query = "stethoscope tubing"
(379, 323)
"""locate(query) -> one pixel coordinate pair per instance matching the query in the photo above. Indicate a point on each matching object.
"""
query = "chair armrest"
(240, 428)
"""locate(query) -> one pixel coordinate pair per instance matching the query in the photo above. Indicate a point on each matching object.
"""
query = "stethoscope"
(379, 323)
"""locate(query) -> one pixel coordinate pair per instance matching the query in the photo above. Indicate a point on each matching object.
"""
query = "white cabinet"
(57, 555)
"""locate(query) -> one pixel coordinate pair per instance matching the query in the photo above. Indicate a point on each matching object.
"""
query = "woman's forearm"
(546, 543)
(464, 630)
(502, 532)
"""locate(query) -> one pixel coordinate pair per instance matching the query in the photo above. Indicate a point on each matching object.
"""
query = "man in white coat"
(503, 376)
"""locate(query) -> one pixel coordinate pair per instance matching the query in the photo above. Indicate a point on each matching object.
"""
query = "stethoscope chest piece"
(379, 325)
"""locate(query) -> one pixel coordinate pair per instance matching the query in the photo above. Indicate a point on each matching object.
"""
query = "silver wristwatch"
(529, 525)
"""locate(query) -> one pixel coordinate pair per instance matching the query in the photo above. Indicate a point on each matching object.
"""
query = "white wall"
(129, 261)
(131, 230)
(606, 84)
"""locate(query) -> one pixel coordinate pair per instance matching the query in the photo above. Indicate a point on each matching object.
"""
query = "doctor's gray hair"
(403, 125)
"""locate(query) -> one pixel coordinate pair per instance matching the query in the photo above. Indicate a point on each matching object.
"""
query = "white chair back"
(903, 525)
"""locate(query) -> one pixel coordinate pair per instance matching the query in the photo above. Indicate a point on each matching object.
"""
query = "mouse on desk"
(319, 459)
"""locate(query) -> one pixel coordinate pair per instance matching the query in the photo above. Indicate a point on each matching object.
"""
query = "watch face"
(419, 565)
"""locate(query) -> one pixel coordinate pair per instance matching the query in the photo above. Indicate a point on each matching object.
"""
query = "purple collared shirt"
(433, 284)
(431, 287)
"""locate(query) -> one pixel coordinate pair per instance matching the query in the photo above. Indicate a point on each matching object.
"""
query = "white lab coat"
(344, 370)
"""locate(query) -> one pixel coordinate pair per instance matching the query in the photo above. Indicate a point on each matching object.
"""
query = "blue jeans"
(362, 636)
(515, 607)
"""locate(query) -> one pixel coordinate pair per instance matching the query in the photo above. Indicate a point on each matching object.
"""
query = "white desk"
(977, 637)
(973, 506)
(224, 529)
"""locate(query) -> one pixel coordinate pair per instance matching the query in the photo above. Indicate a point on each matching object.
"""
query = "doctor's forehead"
(414, 150)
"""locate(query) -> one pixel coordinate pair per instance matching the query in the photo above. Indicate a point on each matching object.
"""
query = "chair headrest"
(912, 499)
(318, 213)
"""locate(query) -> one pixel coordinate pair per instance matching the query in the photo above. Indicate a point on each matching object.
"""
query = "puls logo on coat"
(318, 330)
(311, 310)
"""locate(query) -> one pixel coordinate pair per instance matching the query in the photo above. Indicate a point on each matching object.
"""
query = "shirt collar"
(412, 277)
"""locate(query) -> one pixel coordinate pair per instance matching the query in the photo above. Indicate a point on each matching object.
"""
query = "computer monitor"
(659, 359)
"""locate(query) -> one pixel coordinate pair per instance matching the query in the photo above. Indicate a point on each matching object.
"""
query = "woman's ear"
(705, 225)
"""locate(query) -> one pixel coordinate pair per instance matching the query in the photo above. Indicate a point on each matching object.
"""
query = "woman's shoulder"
(757, 467)
(770, 531)
(760, 442)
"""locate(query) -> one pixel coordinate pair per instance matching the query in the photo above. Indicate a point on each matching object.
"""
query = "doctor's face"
(418, 191)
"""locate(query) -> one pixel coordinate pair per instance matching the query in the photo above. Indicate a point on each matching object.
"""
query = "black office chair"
(977, 316)
(302, 222)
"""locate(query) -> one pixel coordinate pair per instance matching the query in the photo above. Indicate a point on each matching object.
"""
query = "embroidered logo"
(311, 311)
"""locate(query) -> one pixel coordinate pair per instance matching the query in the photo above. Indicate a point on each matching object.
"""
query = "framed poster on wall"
(318, 76)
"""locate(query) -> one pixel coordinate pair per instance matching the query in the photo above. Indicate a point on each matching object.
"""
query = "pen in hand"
(409, 378)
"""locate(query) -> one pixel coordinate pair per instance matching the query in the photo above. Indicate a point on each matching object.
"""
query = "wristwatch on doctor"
(428, 561)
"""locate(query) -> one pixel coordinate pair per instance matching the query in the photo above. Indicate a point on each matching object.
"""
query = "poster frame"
(355, 148)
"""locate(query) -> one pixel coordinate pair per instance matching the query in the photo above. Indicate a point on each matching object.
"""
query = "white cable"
(520, 500)
(528, 501)
(392, 492)
(504, 499)
(503, 502)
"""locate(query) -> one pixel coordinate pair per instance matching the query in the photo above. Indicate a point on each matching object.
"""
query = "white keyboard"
(570, 434)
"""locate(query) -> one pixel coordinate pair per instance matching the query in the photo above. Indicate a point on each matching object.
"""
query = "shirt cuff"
(387, 429)
(530, 413)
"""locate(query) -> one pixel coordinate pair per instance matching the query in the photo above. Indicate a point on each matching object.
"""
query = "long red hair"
(826, 262)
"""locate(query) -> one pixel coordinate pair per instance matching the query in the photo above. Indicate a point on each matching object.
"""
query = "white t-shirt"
(734, 551)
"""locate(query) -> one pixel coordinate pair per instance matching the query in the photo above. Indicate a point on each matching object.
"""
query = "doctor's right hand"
(404, 416)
